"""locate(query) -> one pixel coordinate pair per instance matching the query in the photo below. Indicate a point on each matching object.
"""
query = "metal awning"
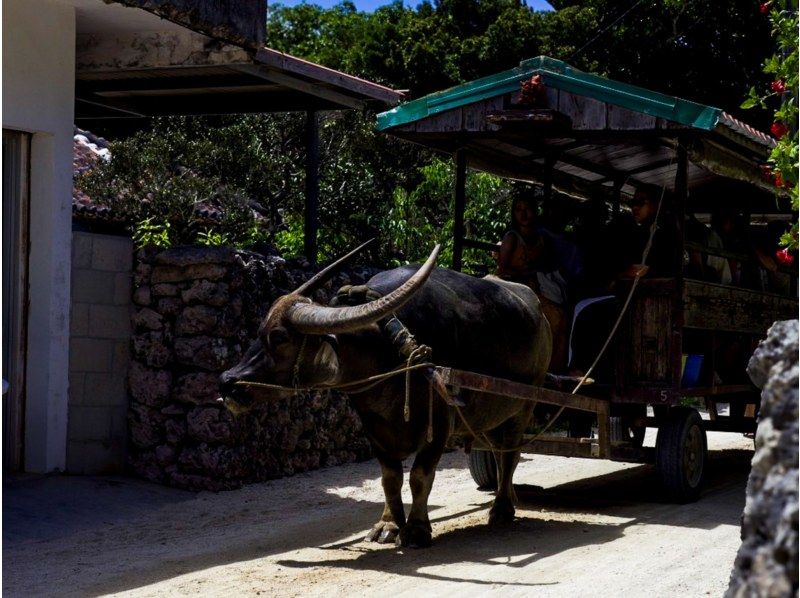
(584, 132)
(264, 81)
(137, 58)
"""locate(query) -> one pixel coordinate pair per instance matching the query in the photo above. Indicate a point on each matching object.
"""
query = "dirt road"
(584, 527)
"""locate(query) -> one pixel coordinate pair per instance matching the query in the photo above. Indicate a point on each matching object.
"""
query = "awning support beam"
(311, 226)
(460, 206)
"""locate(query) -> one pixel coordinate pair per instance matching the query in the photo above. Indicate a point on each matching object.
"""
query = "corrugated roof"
(560, 75)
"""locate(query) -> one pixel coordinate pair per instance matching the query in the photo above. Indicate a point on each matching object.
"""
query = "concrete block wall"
(100, 331)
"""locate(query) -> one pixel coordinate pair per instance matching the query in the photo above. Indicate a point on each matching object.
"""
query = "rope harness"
(417, 357)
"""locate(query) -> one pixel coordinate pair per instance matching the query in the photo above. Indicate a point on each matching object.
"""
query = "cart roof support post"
(460, 205)
(312, 187)
(679, 220)
(616, 198)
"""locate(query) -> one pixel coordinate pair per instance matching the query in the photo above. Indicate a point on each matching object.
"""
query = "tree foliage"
(780, 98)
(374, 185)
(705, 51)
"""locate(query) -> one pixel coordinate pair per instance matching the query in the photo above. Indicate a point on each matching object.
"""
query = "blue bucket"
(692, 365)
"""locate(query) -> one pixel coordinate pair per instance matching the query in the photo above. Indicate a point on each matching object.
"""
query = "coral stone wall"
(196, 311)
(766, 564)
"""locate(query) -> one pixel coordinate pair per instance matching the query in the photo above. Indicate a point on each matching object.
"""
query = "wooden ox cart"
(584, 136)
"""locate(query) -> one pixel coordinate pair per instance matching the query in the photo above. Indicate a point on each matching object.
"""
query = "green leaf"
(750, 103)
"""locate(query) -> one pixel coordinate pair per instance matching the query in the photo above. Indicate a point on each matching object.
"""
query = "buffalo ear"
(325, 370)
(278, 336)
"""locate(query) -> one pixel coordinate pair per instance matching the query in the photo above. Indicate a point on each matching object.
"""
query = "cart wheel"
(623, 430)
(681, 452)
(483, 469)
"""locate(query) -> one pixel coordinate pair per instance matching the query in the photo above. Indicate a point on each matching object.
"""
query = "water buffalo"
(483, 325)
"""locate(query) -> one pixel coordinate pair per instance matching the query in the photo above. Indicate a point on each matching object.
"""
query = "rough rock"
(147, 319)
(149, 386)
(143, 434)
(206, 352)
(173, 409)
(148, 254)
(209, 424)
(193, 272)
(174, 431)
(197, 388)
(197, 319)
(165, 455)
(205, 291)
(767, 561)
(191, 255)
(165, 290)
(170, 306)
(142, 295)
(151, 348)
(141, 274)
(224, 462)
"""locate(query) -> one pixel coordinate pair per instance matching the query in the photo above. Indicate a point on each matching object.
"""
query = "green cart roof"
(560, 75)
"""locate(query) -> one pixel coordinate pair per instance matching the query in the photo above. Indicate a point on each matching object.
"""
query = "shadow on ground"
(94, 536)
(633, 495)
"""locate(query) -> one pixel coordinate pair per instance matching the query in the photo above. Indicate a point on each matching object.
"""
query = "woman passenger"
(533, 256)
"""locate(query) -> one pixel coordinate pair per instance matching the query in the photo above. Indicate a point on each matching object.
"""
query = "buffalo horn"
(317, 319)
(316, 281)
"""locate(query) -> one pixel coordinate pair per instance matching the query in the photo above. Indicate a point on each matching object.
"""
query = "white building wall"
(38, 97)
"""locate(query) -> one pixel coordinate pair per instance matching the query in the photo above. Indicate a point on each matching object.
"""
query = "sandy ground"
(584, 527)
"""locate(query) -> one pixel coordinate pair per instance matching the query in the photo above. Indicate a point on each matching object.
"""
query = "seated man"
(702, 265)
(661, 257)
(628, 237)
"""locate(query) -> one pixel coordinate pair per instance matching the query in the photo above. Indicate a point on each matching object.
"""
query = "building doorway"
(16, 175)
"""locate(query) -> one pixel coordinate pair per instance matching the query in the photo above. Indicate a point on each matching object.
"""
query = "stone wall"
(767, 562)
(197, 310)
(100, 333)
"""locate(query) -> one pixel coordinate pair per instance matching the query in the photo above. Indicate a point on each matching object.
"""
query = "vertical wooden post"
(681, 195)
(460, 205)
(312, 187)
(547, 185)
(679, 224)
(547, 179)
(617, 197)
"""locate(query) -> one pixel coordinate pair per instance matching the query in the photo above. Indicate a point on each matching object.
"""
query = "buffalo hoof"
(383, 532)
(502, 512)
(415, 535)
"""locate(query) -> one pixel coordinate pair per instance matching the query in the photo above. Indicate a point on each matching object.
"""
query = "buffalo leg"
(507, 437)
(393, 518)
(502, 510)
(417, 531)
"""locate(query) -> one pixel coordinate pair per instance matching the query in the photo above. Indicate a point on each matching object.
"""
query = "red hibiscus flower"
(778, 86)
(765, 7)
(784, 257)
(778, 130)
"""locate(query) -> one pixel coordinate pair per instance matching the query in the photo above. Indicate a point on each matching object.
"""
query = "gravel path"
(583, 527)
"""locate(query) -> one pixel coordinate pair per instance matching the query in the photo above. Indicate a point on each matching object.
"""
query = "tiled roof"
(87, 151)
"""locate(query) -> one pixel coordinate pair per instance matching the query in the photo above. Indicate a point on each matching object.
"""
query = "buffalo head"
(296, 344)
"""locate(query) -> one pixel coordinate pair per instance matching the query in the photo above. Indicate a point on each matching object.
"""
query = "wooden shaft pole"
(312, 187)
(460, 205)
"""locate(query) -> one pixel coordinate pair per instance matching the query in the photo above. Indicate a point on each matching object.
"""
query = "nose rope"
(421, 352)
